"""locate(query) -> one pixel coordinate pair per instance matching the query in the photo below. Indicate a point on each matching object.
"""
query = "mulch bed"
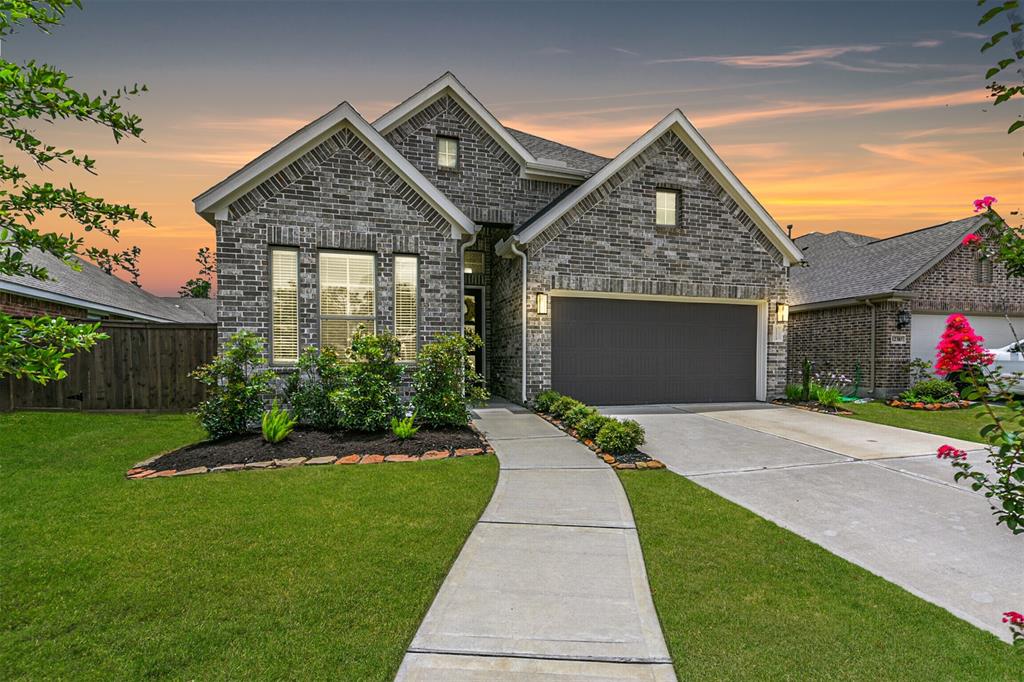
(633, 460)
(812, 407)
(310, 446)
(929, 407)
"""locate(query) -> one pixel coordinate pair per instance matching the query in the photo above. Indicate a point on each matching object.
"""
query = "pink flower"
(971, 240)
(1013, 617)
(984, 203)
(960, 347)
(949, 452)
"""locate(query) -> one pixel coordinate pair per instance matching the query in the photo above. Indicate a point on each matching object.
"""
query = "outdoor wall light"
(782, 312)
(542, 304)
(903, 319)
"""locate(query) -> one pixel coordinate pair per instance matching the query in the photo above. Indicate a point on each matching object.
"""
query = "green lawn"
(740, 598)
(963, 424)
(307, 573)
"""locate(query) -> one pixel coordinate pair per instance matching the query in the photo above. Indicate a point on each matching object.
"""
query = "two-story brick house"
(651, 277)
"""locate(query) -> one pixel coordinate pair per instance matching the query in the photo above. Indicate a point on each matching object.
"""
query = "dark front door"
(620, 352)
(473, 321)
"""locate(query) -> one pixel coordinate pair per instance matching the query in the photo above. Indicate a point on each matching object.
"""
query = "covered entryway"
(608, 351)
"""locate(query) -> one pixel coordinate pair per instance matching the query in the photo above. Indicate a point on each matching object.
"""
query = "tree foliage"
(1007, 87)
(36, 348)
(202, 285)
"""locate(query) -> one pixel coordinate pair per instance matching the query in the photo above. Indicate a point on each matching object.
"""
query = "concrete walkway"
(875, 495)
(551, 582)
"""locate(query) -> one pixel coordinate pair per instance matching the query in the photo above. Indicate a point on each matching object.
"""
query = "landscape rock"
(290, 462)
(193, 470)
(468, 452)
(349, 459)
(434, 454)
(400, 458)
(228, 467)
(372, 459)
(328, 459)
(260, 465)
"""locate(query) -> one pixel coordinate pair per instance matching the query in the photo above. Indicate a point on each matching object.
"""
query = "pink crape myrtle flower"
(960, 347)
(949, 452)
(971, 240)
(984, 203)
(1013, 617)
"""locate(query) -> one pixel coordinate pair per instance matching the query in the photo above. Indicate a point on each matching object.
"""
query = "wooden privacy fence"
(142, 366)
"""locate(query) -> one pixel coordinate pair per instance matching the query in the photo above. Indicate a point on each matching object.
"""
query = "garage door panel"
(616, 352)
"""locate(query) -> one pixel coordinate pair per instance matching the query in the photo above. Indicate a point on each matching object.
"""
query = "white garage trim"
(761, 380)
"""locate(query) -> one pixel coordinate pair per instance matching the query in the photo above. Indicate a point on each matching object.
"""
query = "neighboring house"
(92, 294)
(651, 277)
(880, 303)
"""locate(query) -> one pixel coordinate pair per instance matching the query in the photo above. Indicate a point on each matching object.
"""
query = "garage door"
(620, 352)
(925, 331)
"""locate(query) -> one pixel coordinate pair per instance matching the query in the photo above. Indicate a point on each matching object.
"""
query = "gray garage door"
(617, 352)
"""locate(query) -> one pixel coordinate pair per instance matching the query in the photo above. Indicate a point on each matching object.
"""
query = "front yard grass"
(306, 573)
(741, 598)
(963, 424)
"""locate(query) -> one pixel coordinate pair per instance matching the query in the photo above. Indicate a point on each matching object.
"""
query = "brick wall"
(340, 195)
(610, 242)
(950, 286)
(23, 306)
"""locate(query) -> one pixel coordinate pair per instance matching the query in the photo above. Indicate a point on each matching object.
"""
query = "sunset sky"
(862, 116)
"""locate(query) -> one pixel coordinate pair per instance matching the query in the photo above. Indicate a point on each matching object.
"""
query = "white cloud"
(926, 43)
(785, 60)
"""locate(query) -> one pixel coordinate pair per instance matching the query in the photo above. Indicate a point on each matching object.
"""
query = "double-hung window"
(666, 206)
(347, 297)
(407, 306)
(284, 305)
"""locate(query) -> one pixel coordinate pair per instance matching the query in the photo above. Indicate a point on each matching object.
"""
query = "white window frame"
(408, 351)
(278, 356)
(371, 319)
(665, 215)
(447, 152)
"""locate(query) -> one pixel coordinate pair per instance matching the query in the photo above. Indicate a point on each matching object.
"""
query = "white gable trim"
(698, 146)
(532, 167)
(213, 203)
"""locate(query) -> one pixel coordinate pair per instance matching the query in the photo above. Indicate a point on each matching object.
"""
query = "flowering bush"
(1016, 621)
(997, 240)
(960, 351)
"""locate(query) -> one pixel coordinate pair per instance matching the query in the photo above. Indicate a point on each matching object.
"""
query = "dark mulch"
(632, 458)
(312, 443)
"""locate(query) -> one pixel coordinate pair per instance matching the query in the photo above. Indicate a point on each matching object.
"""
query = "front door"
(473, 322)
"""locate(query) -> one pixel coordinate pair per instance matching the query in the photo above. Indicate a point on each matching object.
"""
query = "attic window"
(666, 206)
(447, 152)
(982, 271)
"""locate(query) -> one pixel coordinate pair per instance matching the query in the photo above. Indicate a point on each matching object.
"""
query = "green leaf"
(1016, 125)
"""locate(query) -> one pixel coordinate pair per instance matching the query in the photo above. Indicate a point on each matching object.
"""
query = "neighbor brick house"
(877, 304)
(651, 277)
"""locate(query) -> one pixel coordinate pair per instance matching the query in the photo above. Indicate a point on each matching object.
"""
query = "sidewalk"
(551, 582)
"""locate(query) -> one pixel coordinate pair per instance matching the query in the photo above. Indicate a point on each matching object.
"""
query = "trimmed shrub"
(620, 437)
(445, 381)
(369, 398)
(234, 387)
(277, 424)
(309, 390)
(561, 407)
(577, 414)
(591, 425)
(545, 399)
(934, 389)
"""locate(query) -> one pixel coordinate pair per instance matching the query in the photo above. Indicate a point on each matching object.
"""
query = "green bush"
(577, 414)
(545, 399)
(561, 407)
(445, 381)
(620, 437)
(404, 428)
(935, 389)
(309, 390)
(829, 396)
(591, 425)
(277, 424)
(234, 387)
(369, 398)
(794, 392)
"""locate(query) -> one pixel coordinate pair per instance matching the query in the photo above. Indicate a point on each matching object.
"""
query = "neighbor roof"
(93, 289)
(677, 123)
(213, 203)
(845, 265)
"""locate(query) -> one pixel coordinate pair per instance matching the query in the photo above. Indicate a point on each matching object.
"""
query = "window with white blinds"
(284, 306)
(347, 297)
(407, 306)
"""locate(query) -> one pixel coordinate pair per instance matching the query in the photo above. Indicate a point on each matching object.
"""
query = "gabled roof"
(549, 149)
(94, 290)
(533, 166)
(213, 203)
(677, 123)
(846, 266)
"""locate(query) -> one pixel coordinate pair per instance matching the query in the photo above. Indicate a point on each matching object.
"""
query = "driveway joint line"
(624, 660)
(557, 525)
(750, 470)
(922, 477)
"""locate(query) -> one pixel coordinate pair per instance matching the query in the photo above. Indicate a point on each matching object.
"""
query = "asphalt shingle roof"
(843, 265)
(92, 285)
(576, 159)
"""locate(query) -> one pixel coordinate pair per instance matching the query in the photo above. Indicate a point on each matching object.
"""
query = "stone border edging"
(142, 471)
(608, 459)
(928, 407)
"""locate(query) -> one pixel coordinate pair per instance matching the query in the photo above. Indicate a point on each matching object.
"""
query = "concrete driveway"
(874, 495)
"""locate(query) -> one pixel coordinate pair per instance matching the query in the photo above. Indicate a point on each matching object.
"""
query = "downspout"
(515, 249)
(462, 271)
(874, 326)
